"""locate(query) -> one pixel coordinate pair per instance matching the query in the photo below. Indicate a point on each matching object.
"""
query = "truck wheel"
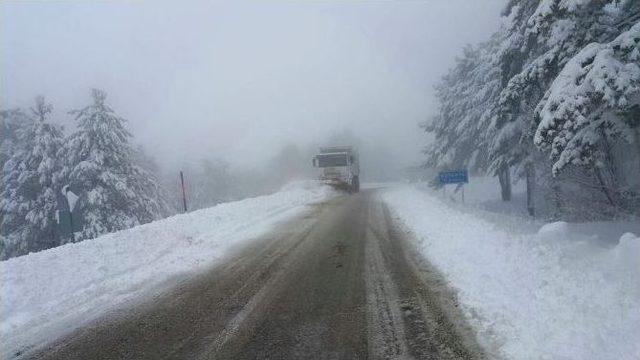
(355, 184)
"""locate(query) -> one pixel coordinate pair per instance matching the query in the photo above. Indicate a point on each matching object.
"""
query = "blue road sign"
(453, 177)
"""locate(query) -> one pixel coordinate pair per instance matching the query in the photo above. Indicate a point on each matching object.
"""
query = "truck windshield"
(332, 160)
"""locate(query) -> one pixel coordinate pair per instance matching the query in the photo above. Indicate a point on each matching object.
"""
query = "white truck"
(340, 167)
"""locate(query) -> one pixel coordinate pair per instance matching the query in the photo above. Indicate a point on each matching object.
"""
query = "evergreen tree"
(509, 144)
(582, 108)
(115, 193)
(448, 151)
(31, 181)
(583, 113)
(467, 96)
(539, 38)
(11, 123)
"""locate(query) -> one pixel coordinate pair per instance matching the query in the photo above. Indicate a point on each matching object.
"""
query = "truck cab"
(340, 167)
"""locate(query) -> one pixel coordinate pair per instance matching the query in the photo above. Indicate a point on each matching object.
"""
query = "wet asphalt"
(340, 282)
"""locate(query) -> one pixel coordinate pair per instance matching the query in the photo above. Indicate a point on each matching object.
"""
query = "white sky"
(239, 80)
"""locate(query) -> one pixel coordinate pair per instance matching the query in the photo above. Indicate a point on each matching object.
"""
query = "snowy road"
(338, 283)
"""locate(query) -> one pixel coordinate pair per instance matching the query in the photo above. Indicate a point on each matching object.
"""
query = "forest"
(552, 99)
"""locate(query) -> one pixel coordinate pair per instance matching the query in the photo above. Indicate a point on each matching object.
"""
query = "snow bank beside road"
(45, 294)
(552, 294)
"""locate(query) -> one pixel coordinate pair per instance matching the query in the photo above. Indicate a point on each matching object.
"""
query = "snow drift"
(557, 293)
(46, 294)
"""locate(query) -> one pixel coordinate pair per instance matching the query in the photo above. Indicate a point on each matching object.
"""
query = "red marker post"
(184, 196)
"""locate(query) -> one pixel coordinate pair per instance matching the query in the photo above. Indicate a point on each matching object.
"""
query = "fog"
(239, 81)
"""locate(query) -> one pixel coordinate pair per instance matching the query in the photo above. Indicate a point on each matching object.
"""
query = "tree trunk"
(637, 140)
(504, 176)
(530, 172)
(610, 160)
(603, 186)
(611, 190)
(557, 194)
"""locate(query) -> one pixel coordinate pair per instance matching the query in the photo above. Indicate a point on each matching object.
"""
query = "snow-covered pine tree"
(31, 181)
(582, 114)
(466, 96)
(504, 149)
(580, 109)
(11, 122)
(447, 151)
(115, 193)
(540, 37)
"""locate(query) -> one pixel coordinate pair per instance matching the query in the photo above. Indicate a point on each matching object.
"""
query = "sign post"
(459, 177)
(462, 194)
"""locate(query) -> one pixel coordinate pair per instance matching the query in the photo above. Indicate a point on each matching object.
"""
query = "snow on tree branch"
(578, 110)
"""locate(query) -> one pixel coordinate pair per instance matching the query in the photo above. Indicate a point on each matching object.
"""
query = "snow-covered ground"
(532, 290)
(45, 294)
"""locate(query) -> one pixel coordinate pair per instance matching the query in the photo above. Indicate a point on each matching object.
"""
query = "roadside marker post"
(184, 196)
